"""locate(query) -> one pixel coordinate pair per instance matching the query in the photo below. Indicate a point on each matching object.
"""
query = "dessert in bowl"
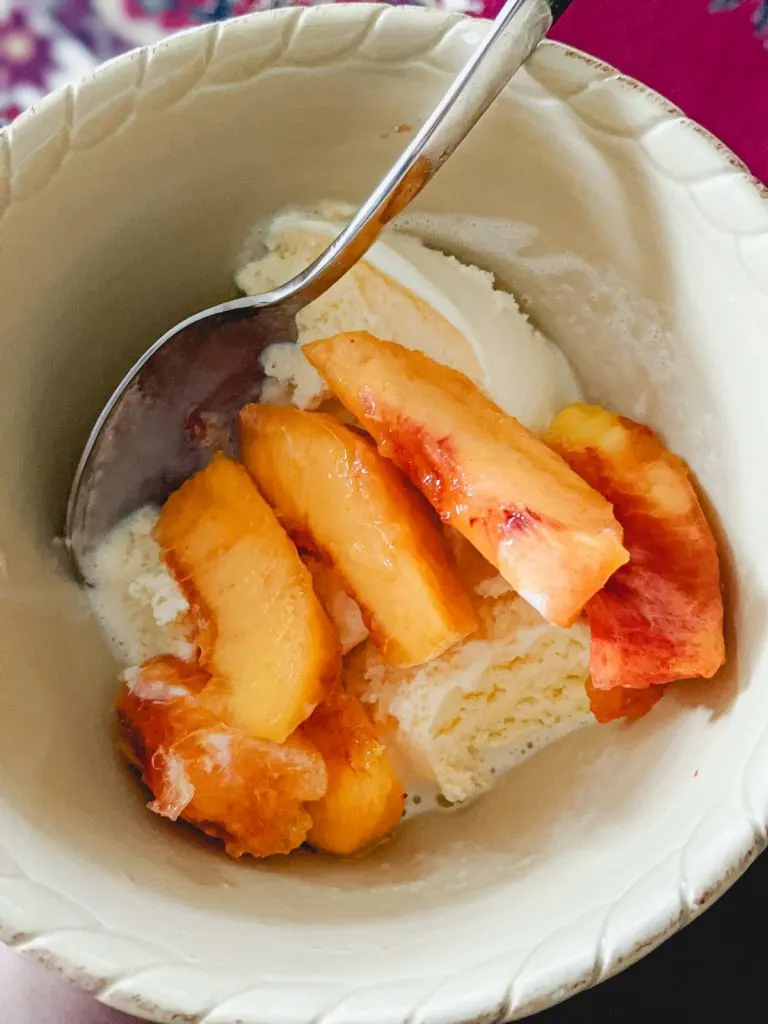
(296, 619)
(632, 241)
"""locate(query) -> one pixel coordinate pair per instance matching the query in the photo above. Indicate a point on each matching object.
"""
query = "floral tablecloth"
(709, 56)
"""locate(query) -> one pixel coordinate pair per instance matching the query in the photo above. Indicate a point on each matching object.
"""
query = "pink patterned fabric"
(708, 56)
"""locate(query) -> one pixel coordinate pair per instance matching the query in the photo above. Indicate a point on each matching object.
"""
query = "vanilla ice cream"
(420, 298)
(483, 706)
(518, 682)
(137, 601)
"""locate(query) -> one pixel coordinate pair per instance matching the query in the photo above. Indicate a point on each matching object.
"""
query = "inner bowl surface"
(636, 242)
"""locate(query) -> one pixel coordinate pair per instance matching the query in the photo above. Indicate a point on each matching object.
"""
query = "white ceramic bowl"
(125, 203)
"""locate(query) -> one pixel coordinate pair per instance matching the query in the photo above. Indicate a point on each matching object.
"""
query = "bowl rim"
(19, 150)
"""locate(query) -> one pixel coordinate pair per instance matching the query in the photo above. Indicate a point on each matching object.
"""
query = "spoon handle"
(516, 31)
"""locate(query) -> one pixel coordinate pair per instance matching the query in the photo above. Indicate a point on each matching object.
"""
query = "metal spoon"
(179, 400)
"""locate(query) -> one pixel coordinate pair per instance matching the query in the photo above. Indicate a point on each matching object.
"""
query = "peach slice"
(622, 702)
(251, 793)
(263, 636)
(365, 799)
(328, 483)
(551, 536)
(660, 617)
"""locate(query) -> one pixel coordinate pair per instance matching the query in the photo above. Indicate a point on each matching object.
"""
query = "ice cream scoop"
(420, 297)
(178, 400)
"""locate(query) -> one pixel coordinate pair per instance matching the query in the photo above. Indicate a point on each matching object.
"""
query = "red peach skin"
(551, 536)
(660, 617)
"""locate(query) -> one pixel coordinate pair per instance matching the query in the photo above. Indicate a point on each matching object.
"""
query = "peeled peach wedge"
(551, 536)
(251, 793)
(660, 617)
(263, 636)
(365, 798)
(328, 483)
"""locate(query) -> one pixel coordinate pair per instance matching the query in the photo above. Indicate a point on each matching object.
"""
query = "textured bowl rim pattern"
(733, 202)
